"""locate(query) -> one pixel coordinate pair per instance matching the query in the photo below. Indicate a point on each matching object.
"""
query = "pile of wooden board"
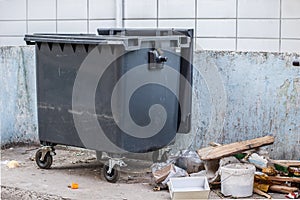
(281, 176)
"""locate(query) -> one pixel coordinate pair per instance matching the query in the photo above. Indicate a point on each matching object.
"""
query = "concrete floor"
(80, 166)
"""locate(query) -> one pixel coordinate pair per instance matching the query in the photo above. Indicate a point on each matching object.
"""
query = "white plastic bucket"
(237, 180)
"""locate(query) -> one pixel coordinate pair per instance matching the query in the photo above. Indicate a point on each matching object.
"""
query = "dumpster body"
(84, 93)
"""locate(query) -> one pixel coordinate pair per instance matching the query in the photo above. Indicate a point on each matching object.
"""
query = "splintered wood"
(283, 189)
(210, 153)
(284, 179)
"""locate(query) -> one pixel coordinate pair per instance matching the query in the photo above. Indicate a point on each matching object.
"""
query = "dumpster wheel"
(113, 176)
(46, 162)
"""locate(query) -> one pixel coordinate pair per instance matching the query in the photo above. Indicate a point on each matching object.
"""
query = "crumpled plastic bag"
(175, 172)
(189, 161)
(257, 160)
(162, 172)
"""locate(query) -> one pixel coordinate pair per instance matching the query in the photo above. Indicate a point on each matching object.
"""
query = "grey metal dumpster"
(123, 90)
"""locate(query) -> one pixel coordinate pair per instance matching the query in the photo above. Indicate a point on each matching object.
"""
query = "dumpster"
(123, 90)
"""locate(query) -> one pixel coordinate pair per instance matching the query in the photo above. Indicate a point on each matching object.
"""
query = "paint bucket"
(237, 180)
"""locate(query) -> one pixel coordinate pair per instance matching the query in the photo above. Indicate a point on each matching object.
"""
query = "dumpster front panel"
(140, 102)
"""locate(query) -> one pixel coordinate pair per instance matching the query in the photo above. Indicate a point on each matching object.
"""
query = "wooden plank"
(284, 179)
(287, 163)
(210, 153)
(205, 150)
(261, 193)
(282, 189)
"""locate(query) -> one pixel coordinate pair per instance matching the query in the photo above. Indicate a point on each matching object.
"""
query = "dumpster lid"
(145, 32)
(63, 38)
(129, 42)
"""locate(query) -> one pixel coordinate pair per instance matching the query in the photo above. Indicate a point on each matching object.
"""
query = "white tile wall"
(263, 45)
(140, 23)
(258, 8)
(290, 46)
(290, 8)
(215, 44)
(140, 8)
(94, 24)
(72, 9)
(176, 23)
(258, 28)
(176, 9)
(102, 9)
(12, 41)
(41, 9)
(244, 25)
(41, 27)
(290, 28)
(12, 28)
(12, 9)
(216, 28)
(216, 8)
(72, 26)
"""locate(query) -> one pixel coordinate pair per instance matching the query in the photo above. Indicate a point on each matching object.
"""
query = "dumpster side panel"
(56, 69)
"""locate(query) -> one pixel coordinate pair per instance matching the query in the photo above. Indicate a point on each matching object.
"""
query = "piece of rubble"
(156, 188)
(270, 171)
(13, 164)
(294, 171)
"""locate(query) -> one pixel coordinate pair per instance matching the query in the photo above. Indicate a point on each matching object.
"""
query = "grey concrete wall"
(18, 121)
(240, 96)
(236, 96)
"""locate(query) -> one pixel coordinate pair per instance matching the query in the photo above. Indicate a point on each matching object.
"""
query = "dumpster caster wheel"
(46, 162)
(113, 176)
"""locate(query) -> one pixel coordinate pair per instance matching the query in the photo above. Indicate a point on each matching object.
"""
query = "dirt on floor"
(79, 166)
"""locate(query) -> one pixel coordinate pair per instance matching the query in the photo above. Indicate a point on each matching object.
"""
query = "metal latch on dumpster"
(156, 59)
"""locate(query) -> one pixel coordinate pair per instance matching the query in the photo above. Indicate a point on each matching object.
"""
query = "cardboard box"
(189, 188)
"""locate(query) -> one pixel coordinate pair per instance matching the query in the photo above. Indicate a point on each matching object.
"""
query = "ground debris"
(12, 193)
(283, 189)
(280, 176)
(261, 193)
(162, 172)
(13, 164)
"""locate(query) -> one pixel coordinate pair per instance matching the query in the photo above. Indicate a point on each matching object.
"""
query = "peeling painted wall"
(236, 96)
(18, 121)
(240, 96)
